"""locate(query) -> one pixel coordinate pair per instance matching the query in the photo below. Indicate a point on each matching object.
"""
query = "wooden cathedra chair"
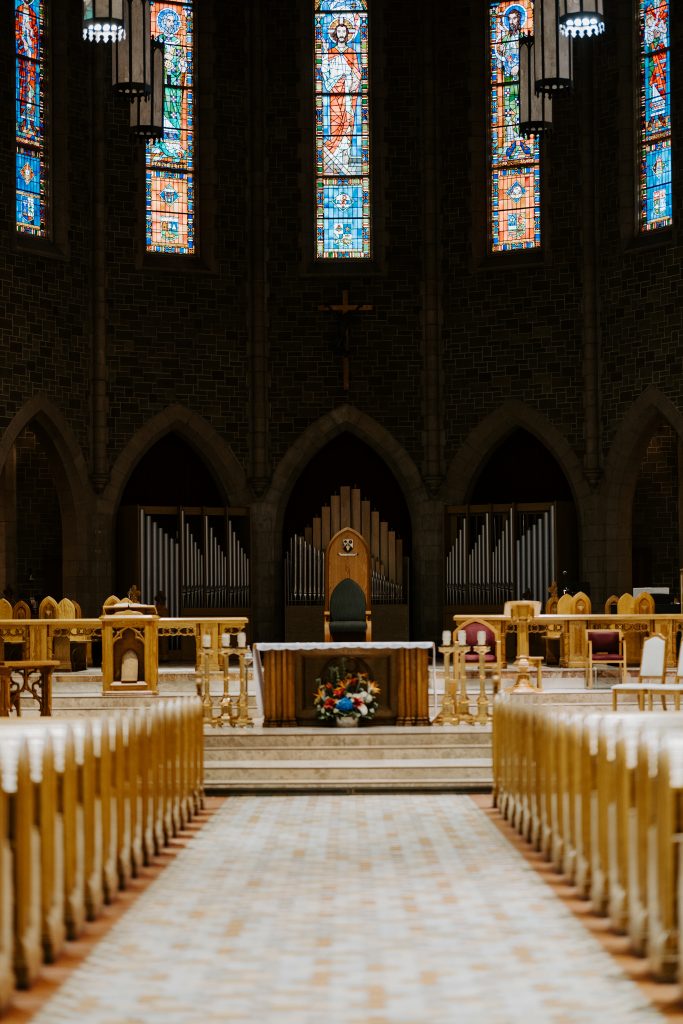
(347, 615)
(604, 647)
(652, 675)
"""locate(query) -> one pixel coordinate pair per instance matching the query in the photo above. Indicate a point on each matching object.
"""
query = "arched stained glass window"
(514, 167)
(655, 115)
(31, 149)
(342, 127)
(170, 200)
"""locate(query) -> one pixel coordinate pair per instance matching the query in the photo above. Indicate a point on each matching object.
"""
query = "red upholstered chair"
(605, 648)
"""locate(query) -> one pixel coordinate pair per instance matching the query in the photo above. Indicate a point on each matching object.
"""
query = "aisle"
(365, 909)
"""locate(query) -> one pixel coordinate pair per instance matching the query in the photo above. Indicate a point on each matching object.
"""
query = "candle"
(225, 640)
(446, 638)
(206, 641)
(481, 637)
(241, 639)
(462, 637)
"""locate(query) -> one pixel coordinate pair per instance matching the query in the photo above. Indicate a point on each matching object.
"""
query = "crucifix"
(344, 312)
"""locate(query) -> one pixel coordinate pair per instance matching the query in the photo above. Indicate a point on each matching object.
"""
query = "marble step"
(374, 736)
(366, 775)
(322, 755)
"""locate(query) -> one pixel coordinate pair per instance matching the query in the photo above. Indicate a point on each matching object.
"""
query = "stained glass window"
(170, 199)
(655, 115)
(31, 155)
(514, 168)
(342, 126)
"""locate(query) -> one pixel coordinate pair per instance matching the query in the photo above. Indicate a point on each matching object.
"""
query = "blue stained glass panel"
(656, 207)
(31, 153)
(342, 130)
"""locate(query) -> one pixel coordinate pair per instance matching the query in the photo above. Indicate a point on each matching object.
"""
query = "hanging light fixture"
(131, 70)
(579, 18)
(552, 49)
(103, 21)
(535, 108)
(147, 112)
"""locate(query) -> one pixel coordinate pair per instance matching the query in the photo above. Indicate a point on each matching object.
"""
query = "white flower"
(363, 710)
(367, 697)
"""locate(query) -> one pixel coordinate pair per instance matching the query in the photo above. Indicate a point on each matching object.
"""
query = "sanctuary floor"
(349, 909)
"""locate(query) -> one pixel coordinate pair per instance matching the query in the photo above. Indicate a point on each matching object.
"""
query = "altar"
(286, 674)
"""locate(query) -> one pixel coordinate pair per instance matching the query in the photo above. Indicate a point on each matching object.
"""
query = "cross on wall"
(344, 313)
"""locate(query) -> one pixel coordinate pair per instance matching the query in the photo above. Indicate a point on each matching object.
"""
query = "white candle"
(241, 639)
(462, 637)
(446, 638)
(481, 637)
(206, 640)
(225, 640)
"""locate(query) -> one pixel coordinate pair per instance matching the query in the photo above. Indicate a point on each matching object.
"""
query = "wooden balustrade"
(83, 804)
(601, 795)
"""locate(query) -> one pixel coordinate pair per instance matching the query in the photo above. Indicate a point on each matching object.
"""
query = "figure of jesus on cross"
(345, 312)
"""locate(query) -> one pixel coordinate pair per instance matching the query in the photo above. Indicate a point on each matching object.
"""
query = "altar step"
(365, 759)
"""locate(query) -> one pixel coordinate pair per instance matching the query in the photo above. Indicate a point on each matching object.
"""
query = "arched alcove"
(177, 538)
(346, 483)
(33, 516)
(520, 469)
(655, 535)
(517, 532)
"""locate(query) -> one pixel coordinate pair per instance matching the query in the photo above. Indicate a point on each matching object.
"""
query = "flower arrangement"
(345, 693)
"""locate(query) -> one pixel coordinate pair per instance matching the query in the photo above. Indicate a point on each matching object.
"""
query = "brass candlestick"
(463, 704)
(226, 716)
(482, 716)
(448, 715)
(204, 687)
(243, 720)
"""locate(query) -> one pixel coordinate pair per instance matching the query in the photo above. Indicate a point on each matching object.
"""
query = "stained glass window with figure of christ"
(655, 115)
(514, 164)
(342, 130)
(170, 202)
(31, 149)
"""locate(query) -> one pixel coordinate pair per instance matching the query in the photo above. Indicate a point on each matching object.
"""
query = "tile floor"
(348, 909)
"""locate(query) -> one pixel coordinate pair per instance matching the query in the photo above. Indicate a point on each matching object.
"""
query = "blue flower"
(345, 704)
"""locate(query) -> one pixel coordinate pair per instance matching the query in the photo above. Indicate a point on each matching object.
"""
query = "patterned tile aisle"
(373, 909)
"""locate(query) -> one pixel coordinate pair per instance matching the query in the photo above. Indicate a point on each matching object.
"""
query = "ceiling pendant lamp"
(552, 49)
(103, 21)
(579, 18)
(535, 108)
(147, 112)
(131, 72)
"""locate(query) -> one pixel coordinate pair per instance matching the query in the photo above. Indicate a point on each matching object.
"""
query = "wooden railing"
(83, 804)
(601, 796)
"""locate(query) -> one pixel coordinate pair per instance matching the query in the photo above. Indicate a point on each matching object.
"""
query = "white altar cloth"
(375, 645)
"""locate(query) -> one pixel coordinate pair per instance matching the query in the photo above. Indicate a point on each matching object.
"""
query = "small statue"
(134, 594)
(552, 591)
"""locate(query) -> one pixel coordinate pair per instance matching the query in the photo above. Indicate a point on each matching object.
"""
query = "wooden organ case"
(304, 569)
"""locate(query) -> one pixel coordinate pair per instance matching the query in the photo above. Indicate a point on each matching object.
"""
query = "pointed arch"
(346, 419)
(70, 474)
(66, 458)
(209, 445)
(622, 466)
(493, 429)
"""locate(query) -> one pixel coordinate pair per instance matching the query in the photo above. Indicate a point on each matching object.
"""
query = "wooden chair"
(347, 615)
(652, 673)
(605, 647)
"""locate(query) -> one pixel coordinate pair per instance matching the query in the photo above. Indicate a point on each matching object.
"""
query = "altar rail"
(569, 631)
(601, 796)
(84, 803)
